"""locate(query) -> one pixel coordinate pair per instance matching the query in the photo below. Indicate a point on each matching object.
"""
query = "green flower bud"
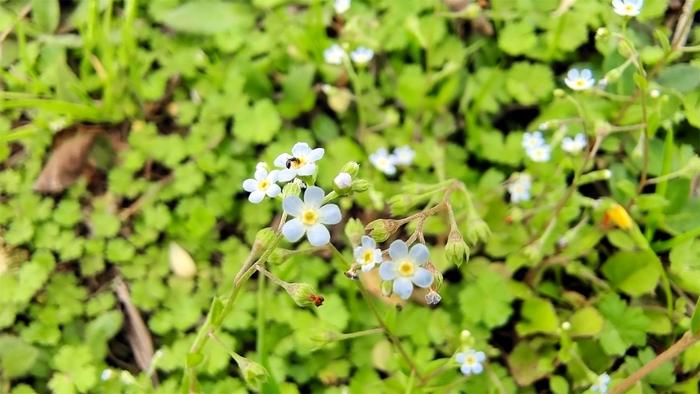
(291, 189)
(613, 75)
(602, 33)
(360, 185)
(354, 230)
(438, 279)
(264, 239)
(304, 295)
(478, 230)
(594, 176)
(351, 168)
(472, 11)
(387, 288)
(253, 373)
(381, 229)
(400, 204)
(466, 339)
(559, 93)
(456, 250)
(279, 256)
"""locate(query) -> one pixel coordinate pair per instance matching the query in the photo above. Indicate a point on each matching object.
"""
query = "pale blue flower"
(302, 161)
(471, 362)
(532, 140)
(343, 181)
(627, 7)
(362, 55)
(383, 161)
(579, 79)
(334, 54)
(406, 268)
(310, 217)
(601, 384)
(367, 254)
(263, 184)
(404, 155)
(540, 153)
(574, 145)
(519, 188)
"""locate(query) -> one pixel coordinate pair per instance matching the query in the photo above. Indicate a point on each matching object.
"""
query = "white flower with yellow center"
(334, 54)
(574, 145)
(341, 6)
(362, 55)
(263, 184)
(532, 140)
(367, 254)
(406, 268)
(471, 362)
(540, 153)
(404, 155)
(302, 162)
(579, 79)
(627, 7)
(519, 188)
(310, 217)
(383, 161)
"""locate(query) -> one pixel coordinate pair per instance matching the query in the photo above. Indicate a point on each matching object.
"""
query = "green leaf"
(695, 320)
(633, 272)
(517, 38)
(682, 77)
(528, 83)
(487, 300)
(624, 326)
(539, 316)
(206, 17)
(585, 322)
(46, 14)
(16, 356)
(257, 124)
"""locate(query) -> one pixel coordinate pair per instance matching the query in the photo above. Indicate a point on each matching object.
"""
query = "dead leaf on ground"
(66, 162)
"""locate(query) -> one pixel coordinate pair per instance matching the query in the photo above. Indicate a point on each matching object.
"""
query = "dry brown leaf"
(65, 163)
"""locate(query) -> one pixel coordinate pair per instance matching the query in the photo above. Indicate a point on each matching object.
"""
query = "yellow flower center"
(406, 268)
(580, 83)
(629, 7)
(263, 185)
(471, 360)
(367, 256)
(300, 161)
(309, 217)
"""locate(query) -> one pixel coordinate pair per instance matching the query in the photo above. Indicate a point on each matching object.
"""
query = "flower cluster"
(387, 162)
(536, 147)
(335, 54)
(579, 79)
(519, 188)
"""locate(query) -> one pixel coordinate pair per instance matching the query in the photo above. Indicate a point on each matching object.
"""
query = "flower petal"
(313, 196)
(329, 214)
(300, 149)
(377, 256)
(466, 369)
(293, 230)
(357, 253)
(368, 242)
(273, 190)
(480, 356)
(286, 175)
(281, 160)
(387, 271)
(273, 175)
(318, 235)
(573, 74)
(367, 267)
(307, 169)
(260, 174)
(403, 288)
(459, 357)
(422, 278)
(419, 254)
(398, 249)
(256, 196)
(315, 154)
(586, 74)
(293, 205)
(477, 369)
(250, 185)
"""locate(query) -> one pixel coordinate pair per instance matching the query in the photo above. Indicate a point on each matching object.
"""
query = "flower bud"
(253, 373)
(400, 204)
(387, 288)
(354, 230)
(432, 298)
(613, 75)
(181, 262)
(602, 33)
(466, 338)
(456, 250)
(291, 189)
(478, 230)
(654, 93)
(594, 176)
(381, 229)
(472, 11)
(264, 239)
(351, 168)
(438, 279)
(343, 181)
(261, 166)
(304, 295)
(559, 93)
(618, 216)
(360, 185)
(279, 256)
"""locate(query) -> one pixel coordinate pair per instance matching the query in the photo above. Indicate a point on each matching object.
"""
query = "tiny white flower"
(106, 374)
(367, 255)
(406, 268)
(574, 145)
(262, 166)
(341, 6)
(519, 189)
(627, 7)
(334, 54)
(362, 55)
(383, 161)
(343, 180)
(601, 384)
(310, 217)
(540, 153)
(654, 93)
(404, 155)
(433, 297)
(566, 326)
(181, 262)
(607, 174)
(471, 362)
(302, 162)
(579, 79)
(532, 140)
(263, 185)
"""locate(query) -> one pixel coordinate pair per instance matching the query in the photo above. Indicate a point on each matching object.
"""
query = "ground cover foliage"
(543, 152)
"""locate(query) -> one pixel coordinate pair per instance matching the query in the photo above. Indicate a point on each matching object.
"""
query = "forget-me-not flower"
(334, 54)
(341, 6)
(302, 161)
(540, 153)
(579, 79)
(362, 55)
(519, 189)
(404, 155)
(310, 217)
(406, 268)
(367, 254)
(383, 161)
(627, 7)
(263, 184)
(574, 145)
(471, 362)
(601, 384)
(532, 140)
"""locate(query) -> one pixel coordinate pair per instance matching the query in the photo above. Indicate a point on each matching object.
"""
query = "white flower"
(532, 140)
(181, 262)
(367, 254)
(601, 384)
(302, 161)
(627, 7)
(263, 185)
(654, 93)
(519, 189)
(261, 166)
(383, 161)
(403, 155)
(310, 217)
(406, 268)
(574, 145)
(343, 180)
(540, 153)
(334, 54)
(341, 6)
(362, 55)
(579, 79)
(106, 374)
(471, 361)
